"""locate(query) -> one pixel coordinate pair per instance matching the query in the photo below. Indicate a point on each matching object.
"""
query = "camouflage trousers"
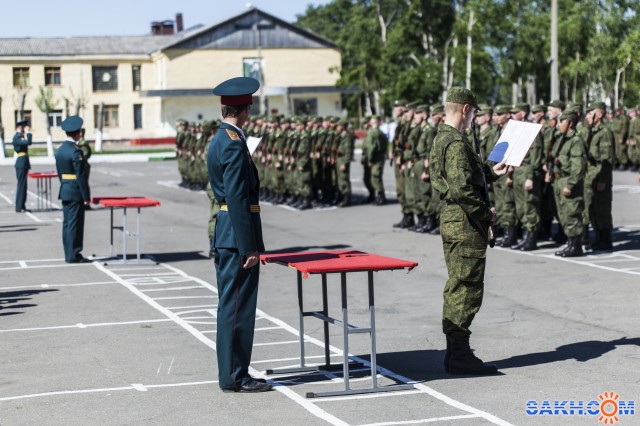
(505, 204)
(409, 190)
(376, 177)
(422, 190)
(571, 208)
(399, 181)
(527, 202)
(343, 178)
(465, 247)
(213, 214)
(597, 204)
(621, 153)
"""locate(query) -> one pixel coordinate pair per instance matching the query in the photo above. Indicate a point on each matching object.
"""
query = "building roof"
(237, 32)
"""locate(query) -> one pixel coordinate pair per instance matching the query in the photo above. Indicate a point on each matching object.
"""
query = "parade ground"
(107, 343)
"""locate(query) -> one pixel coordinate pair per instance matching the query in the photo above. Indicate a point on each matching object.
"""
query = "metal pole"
(138, 235)
(124, 236)
(325, 311)
(301, 311)
(555, 83)
(345, 330)
(372, 333)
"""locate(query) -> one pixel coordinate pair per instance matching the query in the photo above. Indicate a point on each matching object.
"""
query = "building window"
(26, 115)
(105, 78)
(109, 116)
(21, 77)
(137, 116)
(52, 76)
(135, 71)
(255, 105)
(252, 67)
(55, 118)
(305, 106)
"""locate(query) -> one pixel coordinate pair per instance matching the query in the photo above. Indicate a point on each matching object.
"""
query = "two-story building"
(136, 87)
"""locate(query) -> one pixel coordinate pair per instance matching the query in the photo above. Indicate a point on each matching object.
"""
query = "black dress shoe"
(252, 386)
(23, 211)
(81, 259)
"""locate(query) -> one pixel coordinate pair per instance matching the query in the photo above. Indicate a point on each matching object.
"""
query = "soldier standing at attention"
(459, 175)
(569, 163)
(435, 203)
(377, 149)
(528, 185)
(74, 192)
(598, 181)
(621, 132)
(21, 142)
(396, 153)
(344, 155)
(238, 237)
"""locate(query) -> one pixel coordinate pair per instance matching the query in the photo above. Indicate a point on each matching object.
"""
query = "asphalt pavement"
(113, 343)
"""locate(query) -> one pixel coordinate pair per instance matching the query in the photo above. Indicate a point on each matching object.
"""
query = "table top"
(125, 201)
(333, 261)
(41, 175)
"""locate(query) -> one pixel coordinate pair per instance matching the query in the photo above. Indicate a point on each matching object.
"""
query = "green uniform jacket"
(456, 173)
(571, 161)
(344, 149)
(600, 154)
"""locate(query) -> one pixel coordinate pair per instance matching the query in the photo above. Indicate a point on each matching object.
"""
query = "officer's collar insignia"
(233, 135)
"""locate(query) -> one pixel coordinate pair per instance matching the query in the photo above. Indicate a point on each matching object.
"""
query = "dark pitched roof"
(238, 32)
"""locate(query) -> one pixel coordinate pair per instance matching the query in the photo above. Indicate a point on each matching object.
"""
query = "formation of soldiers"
(566, 175)
(303, 162)
(192, 143)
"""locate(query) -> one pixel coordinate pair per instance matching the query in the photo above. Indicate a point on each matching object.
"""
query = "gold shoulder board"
(233, 135)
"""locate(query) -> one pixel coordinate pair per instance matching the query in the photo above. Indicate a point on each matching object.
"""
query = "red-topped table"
(125, 203)
(338, 262)
(43, 188)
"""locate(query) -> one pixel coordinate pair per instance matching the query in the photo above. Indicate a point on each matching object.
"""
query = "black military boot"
(422, 221)
(605, 242)
(545, 230)
(380, 199)
(560, 237)
(521, 243)
(586, 241)
(410, 221)
(574, 249)
(531, 242)
(447, 353)
(402, 223)
(305, 204)
(463, 361)
(344, 201)
(510, 237)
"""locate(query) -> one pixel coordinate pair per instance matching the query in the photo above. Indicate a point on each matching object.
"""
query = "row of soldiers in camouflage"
(566, 174)
(303, 162)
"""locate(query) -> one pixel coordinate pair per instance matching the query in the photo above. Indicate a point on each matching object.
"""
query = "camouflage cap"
(557, 104)
(484, 110)
(344, 122)
(436, 109)
(374, 117)
(399, 102)
(597, 105)
(460, 95)
(301, 121)
(334, 119)
(520, 107)
(411, 105)
(503, 109)
(286, 120)
(569, 115)
(318, 119)
(538, 108)
(422, 108)
(575, 107)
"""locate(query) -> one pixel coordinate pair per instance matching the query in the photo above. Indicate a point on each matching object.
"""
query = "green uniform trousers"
(422, 190)
(505, 204)
(621, 153)
(597, 204)
(237, 301)
(571, 208)
(409, 191)
(465, 247)
(399, 182)
(344, 182)
(527, 202)
(376, 177)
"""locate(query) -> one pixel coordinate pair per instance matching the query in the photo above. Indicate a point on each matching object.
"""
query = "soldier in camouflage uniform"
(598, 181)
(375, 156)
(459, 175)
(527, 185)
(408, 161)
(396, 153)
(435, 202)
(419, 163)
(303, 157)
(400, 145)
(503, 189)
(633, 150)
(344, 155)
(567, 176)
(621, 132)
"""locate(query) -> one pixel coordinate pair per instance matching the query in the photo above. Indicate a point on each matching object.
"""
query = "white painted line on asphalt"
(193, 306)
(171, 289)
(50, 203)
(33, 217)
(288, 342)
(156, 281)
(80, 325)
(56, 285)
(33, 260)
(267, 361)
(370, 395)
(7, 199)
(149, 275)
(193, 318)
(139, 387)
(103, 390)
(65, 265)
(185, 297)
(267, 328)
(418, 422)
(22, 264)
(209, 331)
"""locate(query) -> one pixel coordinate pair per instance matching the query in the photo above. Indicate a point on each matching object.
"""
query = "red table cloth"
(126, 202)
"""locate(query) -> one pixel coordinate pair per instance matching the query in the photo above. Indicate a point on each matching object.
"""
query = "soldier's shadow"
(579, 351)
(631, 240)
(9, 299)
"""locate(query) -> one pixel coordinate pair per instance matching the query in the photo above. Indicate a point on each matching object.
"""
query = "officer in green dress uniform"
(238, 237)
(460, 177)
(74, 191)
(21, 142)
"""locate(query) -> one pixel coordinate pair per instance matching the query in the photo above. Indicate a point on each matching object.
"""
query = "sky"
(46, 18)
